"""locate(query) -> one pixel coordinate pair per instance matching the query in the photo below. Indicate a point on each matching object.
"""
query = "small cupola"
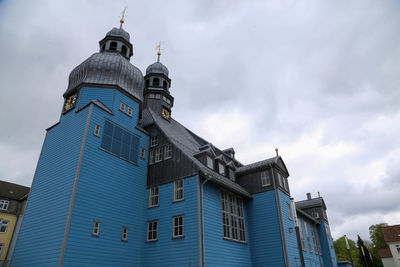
(117, 41)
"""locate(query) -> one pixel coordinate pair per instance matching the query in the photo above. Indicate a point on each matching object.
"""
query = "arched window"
(156, 82)
(147, 83)
(113, 46)
(124, 50)
(103, 47)
(165, 84)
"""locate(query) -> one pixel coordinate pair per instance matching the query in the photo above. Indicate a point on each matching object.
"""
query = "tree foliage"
(364, 254)
(342, 254)
(376, 235)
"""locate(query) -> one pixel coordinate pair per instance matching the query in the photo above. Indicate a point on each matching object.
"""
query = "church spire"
(122, 20)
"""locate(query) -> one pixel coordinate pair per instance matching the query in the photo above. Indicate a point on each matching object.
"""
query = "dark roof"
(13, 191)
(391, 233)
(256, 165)
(157, 67)
(385, 253)
(119, 32)
(184, 140)
(310, 203)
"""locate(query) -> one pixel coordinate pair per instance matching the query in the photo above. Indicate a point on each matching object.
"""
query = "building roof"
(391, 233)
(13, 191)
(157, 67)
(119, 32)
(385, 253)
(185, 141)
(309, 203)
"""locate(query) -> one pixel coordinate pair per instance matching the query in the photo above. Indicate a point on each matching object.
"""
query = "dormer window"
(156, 82)
(210, 162)
(221, 168)
(124, 50)
(231, 174)
(113, 46)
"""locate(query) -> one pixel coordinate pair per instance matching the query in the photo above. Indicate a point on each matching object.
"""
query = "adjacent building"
(120, 182)
(12, 205)
(391, 256)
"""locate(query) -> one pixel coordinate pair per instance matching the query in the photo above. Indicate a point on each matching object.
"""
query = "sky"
(317, 79)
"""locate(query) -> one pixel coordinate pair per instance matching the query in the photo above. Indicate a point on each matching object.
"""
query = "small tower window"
(156, 81)
(147, 83)
(165, 84)
(113, 46)
(103, 47)
(124, 50)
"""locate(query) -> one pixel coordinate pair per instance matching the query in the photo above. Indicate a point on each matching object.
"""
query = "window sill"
(179, 200)
(95, 235)
(236, 241)
(151, 241)
(178, 237)
(155, 206)
(122, 240)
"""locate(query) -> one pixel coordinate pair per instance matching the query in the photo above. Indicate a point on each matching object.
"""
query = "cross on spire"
(122, 20)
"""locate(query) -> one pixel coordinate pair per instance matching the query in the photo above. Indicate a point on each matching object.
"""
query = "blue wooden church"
(119, 182)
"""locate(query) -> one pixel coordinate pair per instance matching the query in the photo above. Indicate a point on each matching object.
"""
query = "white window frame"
(265, 179)
(221, 168)
(158, 155)
(233, 221)
(4, 223)
(289, 207)
(303, 243)
(129, 111)
(231, 173)
(124, 236)
(152, 228)
(122, 106)
(143, 153)
(179, 190)
(153, 141)
(154, 197)
(177, 226)
(210, 162)
(97, 130)
(307, 235)
(1, 248)
(151, 157)
(4, 204)
(96, 228)
(168, 151)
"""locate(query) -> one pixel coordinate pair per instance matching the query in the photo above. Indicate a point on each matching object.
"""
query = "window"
(165, 85)
(313, 238)
(156, 81)
(103, 47)
(233, 217)
(303, 244)
(4, 225)
(124, 233)
(168, 151)
(124, 49)
(97, 129)
(178, 190)
(177, 222)
(210, 162)
(231, 174)
(398, 248)
(289, 211)
(159, 154)
(4, 204)
(120, 142)
(142, 153)
(318, 244)
(153, 141)
(113, 46)
(152, 230)
(129, 111)
(151, 157)
(96, 228)
(221, 168)
(154, 196)
(285, 183)
(122, 106)
(308, 235)
(1, 248)
(265, 180)
(280, 179)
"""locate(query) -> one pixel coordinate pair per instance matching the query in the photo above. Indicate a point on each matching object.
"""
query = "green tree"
(342, 254)
(364, 254)
(376, 235)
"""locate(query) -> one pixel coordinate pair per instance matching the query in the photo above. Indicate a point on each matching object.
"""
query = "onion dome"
(157, 67)
(110, 66)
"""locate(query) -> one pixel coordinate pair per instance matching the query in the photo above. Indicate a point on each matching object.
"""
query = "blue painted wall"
(50, 194)
(311, 255)
(328, 252)
(220, 252)
(167, 251)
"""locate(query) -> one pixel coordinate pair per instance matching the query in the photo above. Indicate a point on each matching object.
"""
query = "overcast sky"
(318, 79)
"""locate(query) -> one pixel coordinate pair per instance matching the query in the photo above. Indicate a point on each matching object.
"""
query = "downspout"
(278, 202)
(202, 222)
(296, 223)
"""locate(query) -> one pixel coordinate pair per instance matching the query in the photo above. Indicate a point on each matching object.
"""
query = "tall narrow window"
(129, 111)
(122, 106)
(4, 225)
(97, 129)
(307, 235)
(210, 162)
(154, 196)
(124, 233)
(156, 82)
(242, 229)
(168, 151)
(313, 238)
(225, 214)
(151, 157)
(177, 226)
(178, 190)
(233, 210)
(231, 174)
(4, 204)
(113, 46)
(280, 181)
(1, 248)
(124, 50)
(96, 228)
(152, 228)
(289, 207)
(153, 141)
(159, 154)
(142, 153)
(265, 180)
(233, 222)
(303, 244)
(221, 168)
(318, 243)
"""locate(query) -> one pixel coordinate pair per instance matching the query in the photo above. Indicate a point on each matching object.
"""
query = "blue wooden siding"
(311, 258)
(290, 232)
(50, 194)
(263, 228)
(110, 190)
(328, 253)
(166, 251)
(104, 95)
(220, 252)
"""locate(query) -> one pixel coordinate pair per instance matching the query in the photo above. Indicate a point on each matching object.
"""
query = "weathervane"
(122, 17)
(158, 47)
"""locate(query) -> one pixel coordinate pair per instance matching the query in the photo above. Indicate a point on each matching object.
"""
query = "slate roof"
(13, 191)
(157, 67)
(391, 233)
(385, 253)
(257, 165)
(309, 203)
(119, 32)
(184, 140)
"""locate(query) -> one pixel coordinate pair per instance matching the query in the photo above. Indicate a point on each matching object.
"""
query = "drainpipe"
(296, 223)
(202, 222)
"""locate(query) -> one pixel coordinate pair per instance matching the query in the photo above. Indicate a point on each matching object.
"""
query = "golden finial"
(276, 150)
(122, 17)
(158, 47)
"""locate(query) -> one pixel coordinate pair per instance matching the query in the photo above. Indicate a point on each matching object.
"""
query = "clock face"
(70, 102)
(165, 113)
